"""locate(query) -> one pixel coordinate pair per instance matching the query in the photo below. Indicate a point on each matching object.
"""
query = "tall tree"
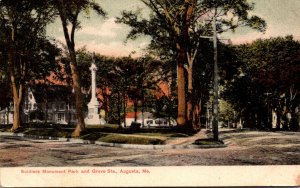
(23, 22)
(268, 80)
(69, 11)
(174, 19)
(5, 92)
(176, 27)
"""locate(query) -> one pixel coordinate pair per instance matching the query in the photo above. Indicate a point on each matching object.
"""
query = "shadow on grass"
(208, 141)
(48, 132)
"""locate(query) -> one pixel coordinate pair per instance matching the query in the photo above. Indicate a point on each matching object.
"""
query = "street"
(243, 148)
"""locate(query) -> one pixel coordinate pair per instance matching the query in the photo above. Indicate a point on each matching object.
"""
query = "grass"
(208, 141)
(125, 138)
(48, 132)
(104, 133)
(95, 134)
(131, 139)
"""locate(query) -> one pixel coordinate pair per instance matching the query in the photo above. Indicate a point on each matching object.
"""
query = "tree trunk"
(190, 97)
(46, 104)
(196, 115)
(7, 115)
(17, 110)
(135, 106)
(75, 76)
(17, 89)
(78, 96)
(119, 109)
(278, 123)
(181, 119)
(124, 109)
(46, 113)
(182, 43)
(143, 107)
(17, 95)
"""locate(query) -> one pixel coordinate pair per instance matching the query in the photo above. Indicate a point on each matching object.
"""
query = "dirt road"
(244, 148)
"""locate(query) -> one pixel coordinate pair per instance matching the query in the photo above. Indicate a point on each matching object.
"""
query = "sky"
(106, 37)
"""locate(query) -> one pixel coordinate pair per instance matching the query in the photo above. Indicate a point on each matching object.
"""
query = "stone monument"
(93, 117)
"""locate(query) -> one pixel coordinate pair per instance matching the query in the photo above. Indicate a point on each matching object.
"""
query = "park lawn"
(103, 133)
(95, 134)
(132, 139)
(63, 133)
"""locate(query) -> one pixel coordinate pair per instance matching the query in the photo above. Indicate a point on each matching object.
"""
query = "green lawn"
(104, 133)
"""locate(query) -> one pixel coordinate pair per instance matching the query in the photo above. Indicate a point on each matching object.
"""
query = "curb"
(106, 144)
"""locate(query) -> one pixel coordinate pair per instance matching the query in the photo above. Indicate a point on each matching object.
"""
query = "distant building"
(147, 119)
(50, 104)
(6, 115)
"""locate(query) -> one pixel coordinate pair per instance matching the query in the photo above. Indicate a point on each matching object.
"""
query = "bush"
(135, 126)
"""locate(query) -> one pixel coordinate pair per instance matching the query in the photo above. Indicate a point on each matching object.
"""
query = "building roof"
(51, 93)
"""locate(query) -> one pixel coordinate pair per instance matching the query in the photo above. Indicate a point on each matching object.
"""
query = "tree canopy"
(23, 26)
(268, 78)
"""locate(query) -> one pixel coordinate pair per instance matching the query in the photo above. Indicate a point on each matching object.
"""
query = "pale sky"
(106, 37)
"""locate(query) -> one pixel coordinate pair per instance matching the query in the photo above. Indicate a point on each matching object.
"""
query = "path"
(187, 140)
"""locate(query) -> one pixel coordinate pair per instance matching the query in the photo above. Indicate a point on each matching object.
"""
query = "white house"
(6, 115)
(147, 119)
(50, 104)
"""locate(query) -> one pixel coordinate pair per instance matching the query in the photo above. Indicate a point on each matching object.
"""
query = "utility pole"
(216, 83)
(215, 105)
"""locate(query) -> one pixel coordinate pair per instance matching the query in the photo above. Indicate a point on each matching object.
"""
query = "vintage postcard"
(131, 93)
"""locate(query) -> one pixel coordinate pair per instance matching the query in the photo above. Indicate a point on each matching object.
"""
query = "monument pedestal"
(93, 117)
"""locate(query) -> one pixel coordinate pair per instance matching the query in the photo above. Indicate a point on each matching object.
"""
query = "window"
(150, 122)
(158, 122)
(30, 96)
(60, 117)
